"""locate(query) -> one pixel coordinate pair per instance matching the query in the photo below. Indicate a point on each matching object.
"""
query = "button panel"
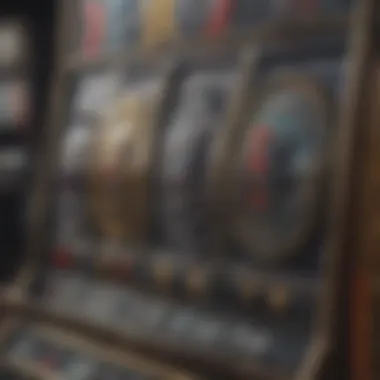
(39, 349)
(194, 329)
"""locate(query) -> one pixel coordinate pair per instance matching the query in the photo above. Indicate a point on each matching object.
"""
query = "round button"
(278, 298)
(197, 281)
(163, 272)
(248, 288)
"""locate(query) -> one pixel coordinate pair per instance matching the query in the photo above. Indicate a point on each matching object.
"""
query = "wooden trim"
(338, 245)
(365, 271)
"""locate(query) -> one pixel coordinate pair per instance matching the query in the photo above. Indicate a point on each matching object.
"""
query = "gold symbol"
(159, 22)
(163, 272)
(196, 281)
(278, 298)
(121, 153)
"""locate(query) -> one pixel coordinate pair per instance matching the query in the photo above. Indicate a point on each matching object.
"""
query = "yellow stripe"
(159, 24)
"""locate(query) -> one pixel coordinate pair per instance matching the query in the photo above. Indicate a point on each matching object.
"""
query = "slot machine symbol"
(159, 24)
(94, 27)
(132, 22)
(109, 25)
(121, 159)
(115, 24)
(282, 161)
(123, 23)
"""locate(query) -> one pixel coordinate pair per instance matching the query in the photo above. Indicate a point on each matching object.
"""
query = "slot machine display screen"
(192, 186)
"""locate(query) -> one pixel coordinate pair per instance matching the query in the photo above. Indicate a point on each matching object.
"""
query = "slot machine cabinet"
(193, 197)
(25, 65)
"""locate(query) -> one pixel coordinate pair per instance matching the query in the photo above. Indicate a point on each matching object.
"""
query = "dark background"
(40, 19)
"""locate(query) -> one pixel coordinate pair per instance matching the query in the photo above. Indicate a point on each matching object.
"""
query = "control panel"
(53, 354)
(256, 298)
(194, 183)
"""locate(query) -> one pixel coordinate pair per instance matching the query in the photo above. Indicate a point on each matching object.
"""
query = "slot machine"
(189, 218)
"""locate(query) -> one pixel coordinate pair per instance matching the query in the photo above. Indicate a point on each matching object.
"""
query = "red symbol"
(219, 18)
(258, 163)
(62, 259)
(95, 23)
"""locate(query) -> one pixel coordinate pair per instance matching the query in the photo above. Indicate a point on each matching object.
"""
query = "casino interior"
(237, 241)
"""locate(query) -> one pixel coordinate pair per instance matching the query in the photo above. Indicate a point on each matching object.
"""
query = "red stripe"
(95, 23)
(259, 158)
(219, 18)
(259, 163)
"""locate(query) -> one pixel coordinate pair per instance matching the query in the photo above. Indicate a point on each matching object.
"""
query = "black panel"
(16, 186)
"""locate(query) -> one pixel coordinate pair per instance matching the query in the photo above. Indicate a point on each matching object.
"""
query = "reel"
(122, 157)
(277, 169)
(185, 149)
